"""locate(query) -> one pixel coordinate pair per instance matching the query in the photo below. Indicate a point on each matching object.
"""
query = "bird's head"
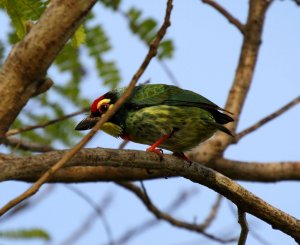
(99, 107)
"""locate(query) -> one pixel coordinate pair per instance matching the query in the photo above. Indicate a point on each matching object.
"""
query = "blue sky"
(207, 51)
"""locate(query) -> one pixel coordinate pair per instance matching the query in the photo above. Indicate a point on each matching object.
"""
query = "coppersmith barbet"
(160, 115)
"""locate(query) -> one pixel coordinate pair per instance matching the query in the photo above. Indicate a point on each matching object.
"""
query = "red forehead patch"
(94, 105)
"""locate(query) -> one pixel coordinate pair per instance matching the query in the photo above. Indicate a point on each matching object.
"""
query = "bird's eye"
(104, 107)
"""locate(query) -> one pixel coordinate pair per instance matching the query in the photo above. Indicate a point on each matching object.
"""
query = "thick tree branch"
(22, 74)
(242, 81)
(149, 161)
(85, 168)
(226, 14)
(257, 171)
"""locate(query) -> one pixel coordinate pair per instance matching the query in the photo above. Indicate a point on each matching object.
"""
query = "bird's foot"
(182, 156)
(157, 151)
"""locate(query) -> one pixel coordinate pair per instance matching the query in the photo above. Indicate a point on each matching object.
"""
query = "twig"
(139, 229)
(169, 72)
(256, 235)
(26, 145)
(147, 198)
(43, 125)
(151, 53)
(244, 227)
(226, 14)
(123, 144)
(213, 212)
(259, 238)
(29, 204)
(267, 119)
(98, 209)
(161, 215)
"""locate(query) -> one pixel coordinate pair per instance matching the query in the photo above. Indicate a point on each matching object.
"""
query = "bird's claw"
(157, 151)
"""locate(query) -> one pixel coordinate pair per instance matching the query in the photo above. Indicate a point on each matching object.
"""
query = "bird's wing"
(161, 94)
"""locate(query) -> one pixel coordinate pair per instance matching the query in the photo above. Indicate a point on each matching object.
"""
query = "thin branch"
(151, 53)
(143, 227)
(146, 196)
(29, 204)
(259, 238)
(26, 145)
(123, 144)
(85, 225)
(267, 119)
(213, 213)
(226, 14)
(255, 235)
(161, 215)
(43, 125)
(244, 227)
(169, 72)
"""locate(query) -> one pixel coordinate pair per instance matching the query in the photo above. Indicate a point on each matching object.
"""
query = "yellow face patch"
(112, 129)
(101, 102)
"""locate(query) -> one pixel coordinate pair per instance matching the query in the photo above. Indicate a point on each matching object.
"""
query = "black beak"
(87, 123)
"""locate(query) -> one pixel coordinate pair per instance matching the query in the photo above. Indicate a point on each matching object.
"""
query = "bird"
(161, 116)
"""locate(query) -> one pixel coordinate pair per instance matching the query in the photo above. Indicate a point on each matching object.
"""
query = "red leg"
(153, 147)
(182, 156)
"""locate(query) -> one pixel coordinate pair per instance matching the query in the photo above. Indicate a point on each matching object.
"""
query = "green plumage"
(156, 110)
(191, 125)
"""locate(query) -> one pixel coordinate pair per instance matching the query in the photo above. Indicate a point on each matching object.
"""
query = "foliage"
(25, 234)
(20, 12)
(113, 4)
(146, 30)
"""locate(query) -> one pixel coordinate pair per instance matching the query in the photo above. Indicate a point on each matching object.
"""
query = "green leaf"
(165, 49)
(109, 73)
(21, 11)
(68, 60)
(78, 37)
(146, 30)
(26, 234)
(96, 40)
(98, 44)
(16, 15)
(113, 4)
